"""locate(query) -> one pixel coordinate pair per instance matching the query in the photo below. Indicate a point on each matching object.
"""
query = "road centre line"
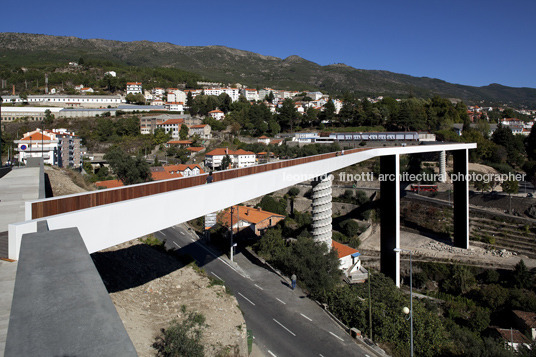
(251, 302)
(280, 324)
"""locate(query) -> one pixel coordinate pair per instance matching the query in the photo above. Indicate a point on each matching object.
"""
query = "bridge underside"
(390, 210)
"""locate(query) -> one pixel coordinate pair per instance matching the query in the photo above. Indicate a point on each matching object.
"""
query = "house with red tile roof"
(172, 126)
(184, 170)
(134, 88)
(512, 338)
(249, 217)
(216, 114)
(202, 130)
(349, 263)
(58, 147)
(239, 158)
(109, 184)
(180, 143)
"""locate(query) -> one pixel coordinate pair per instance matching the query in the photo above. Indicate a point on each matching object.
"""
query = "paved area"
(7, 283)
(284, 322)
(16, 187)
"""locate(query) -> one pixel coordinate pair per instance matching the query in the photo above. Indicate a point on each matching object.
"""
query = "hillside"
(219, 63)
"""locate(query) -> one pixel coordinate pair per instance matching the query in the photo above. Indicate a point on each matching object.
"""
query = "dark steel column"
(461, 198)
(390, 216)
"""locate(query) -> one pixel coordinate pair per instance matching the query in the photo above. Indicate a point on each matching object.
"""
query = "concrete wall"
(105, 226)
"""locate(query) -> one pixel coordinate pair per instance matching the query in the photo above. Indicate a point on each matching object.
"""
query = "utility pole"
(232, 208)
(370, 304)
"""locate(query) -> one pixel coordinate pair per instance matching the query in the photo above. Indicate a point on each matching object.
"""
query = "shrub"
(182, 338)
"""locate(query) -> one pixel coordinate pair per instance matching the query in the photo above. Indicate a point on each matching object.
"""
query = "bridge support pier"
(322, 209)
(390, 216)
(461, 197)
(443, 165)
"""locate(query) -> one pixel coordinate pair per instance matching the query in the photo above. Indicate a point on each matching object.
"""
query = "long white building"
(87, 101)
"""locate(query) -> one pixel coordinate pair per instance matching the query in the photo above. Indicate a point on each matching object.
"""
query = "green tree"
(128, 169)
(183, 132)
(49, 118)
(225, 162)
(288, 114)
(510, 186)
(521, 277)
(329, 111)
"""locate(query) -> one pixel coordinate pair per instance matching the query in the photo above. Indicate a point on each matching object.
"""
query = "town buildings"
(134, 88)
(239, 158)
(57, 147)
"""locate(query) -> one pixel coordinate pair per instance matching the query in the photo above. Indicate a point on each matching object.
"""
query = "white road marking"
(217, 276)
(321, 355)
(176, 244)
(306, 317)
(270, 352)
(251, 302)
(182, 233)
(164, 233)
(336, 336)
(281, 301)
(280, 324)
(258, 287)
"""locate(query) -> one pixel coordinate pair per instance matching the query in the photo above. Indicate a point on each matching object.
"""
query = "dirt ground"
(149, 288)
(477, 254)
(65, 182)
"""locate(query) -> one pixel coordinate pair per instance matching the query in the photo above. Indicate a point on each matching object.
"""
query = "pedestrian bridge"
(109, 217)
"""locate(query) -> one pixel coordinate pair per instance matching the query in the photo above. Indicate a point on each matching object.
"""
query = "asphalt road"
(284, 322)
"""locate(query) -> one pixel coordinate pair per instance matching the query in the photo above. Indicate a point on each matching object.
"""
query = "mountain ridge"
(230, 65)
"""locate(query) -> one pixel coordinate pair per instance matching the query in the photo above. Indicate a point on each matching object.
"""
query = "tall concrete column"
(443, 165)
(390, 216)
(461, 197)
(322, 209)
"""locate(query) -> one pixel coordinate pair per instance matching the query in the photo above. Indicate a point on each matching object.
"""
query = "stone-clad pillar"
(461, 197)
(322, 209)
(390, 216)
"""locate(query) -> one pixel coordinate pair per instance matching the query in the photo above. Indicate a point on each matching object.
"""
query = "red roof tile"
(343, 250)
(109, 183)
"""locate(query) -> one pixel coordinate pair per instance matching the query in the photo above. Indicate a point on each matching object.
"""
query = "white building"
(314, 95)
(134, 88)
(172, 126)
(111, 74)
(234, 93)
(239, 158)
(56, 147)
(250, 94)
(82, 101)
(175, 106)
(176, 95)
(216, 114)
(158, 91)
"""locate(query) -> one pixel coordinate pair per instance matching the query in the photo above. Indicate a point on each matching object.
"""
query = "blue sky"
(466, 42)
